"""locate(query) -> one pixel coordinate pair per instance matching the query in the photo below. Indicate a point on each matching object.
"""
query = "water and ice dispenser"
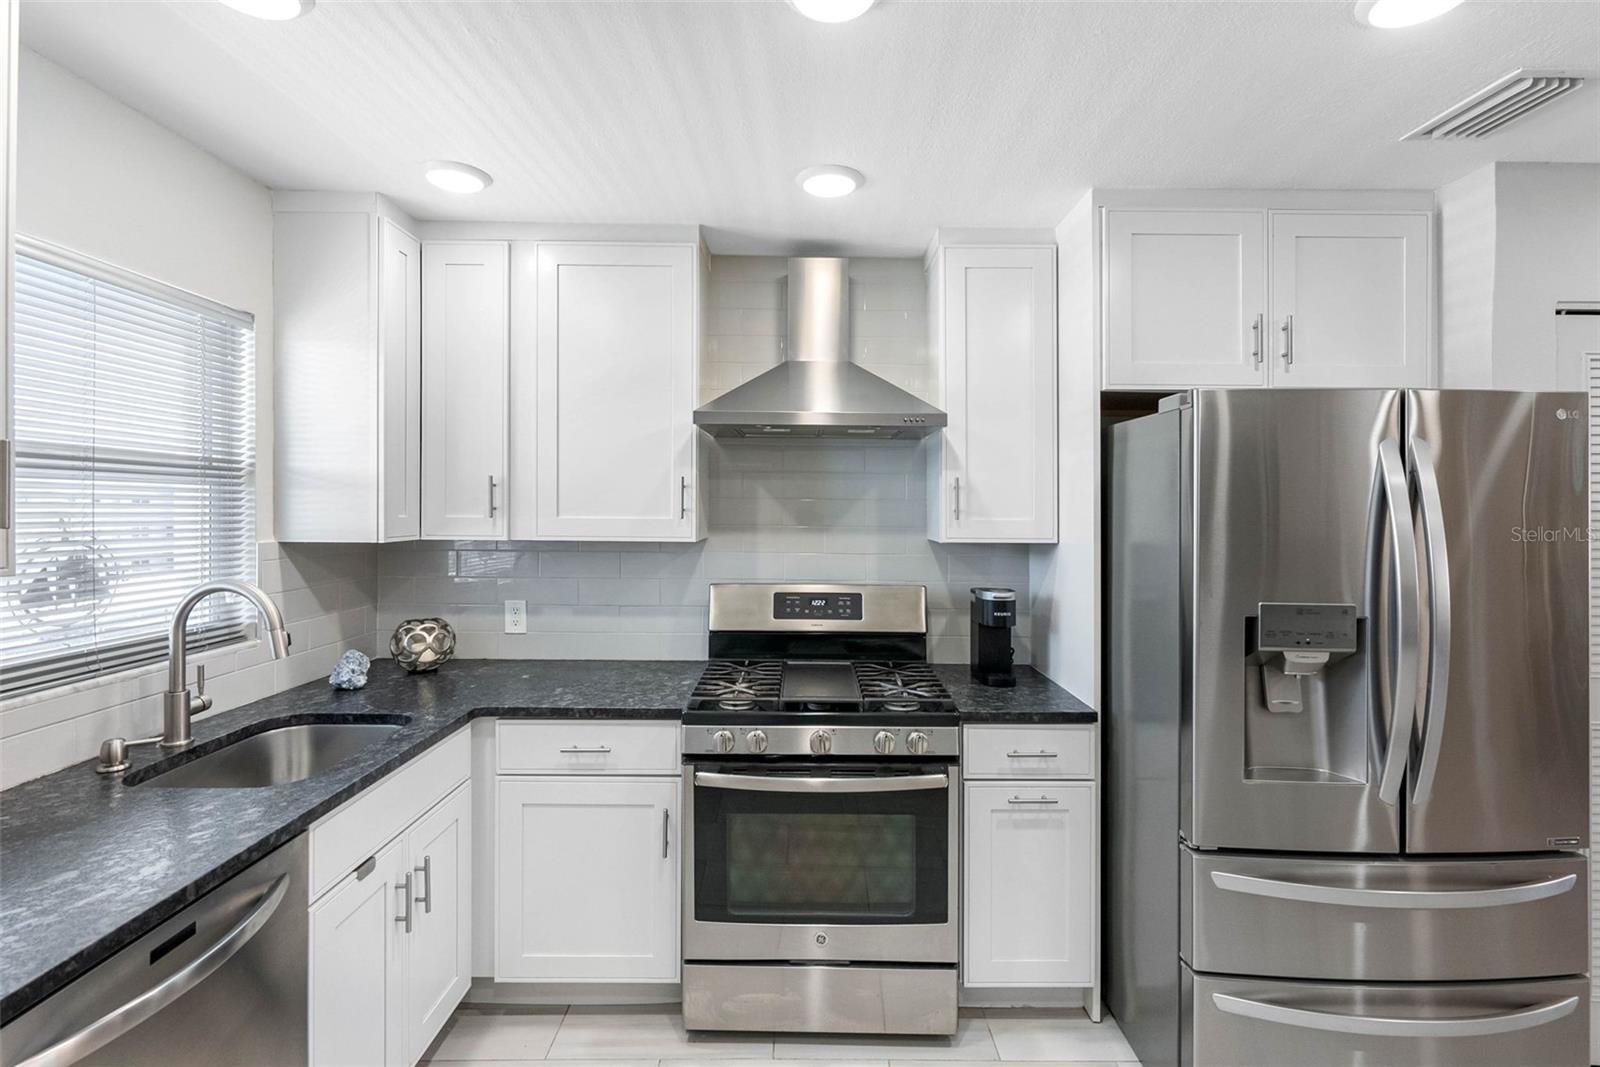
(1306, 700)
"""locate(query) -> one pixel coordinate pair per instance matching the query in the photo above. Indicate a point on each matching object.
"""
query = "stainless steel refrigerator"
(1346, 639)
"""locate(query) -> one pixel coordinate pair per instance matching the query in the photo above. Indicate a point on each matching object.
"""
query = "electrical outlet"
(516, 616)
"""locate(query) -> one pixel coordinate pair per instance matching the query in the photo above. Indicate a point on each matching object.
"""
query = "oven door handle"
(779, 784)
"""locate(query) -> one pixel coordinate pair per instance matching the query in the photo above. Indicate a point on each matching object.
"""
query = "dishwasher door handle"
(120, 1020)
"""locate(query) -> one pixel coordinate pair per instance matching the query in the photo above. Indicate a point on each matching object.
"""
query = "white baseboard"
(1022, 998)
(487, 991)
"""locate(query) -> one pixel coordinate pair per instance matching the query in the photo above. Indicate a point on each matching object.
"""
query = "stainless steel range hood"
(816, 391)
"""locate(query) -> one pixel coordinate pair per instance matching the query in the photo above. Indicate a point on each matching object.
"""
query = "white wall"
(104, 180)
(1516, 239)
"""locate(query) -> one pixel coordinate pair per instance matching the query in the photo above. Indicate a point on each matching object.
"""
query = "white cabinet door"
(1350, 300)
(358, 1002)
(1185, 298)
(1030, 884)
(465, 340)
(616, 363)
(400, 382)
(586, 884)
(998, 469)
(439, 849)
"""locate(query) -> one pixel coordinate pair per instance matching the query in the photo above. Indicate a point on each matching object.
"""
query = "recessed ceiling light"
(829, 180)
(455, 177)
(1394, 14)
(273, 10)
(832, 10)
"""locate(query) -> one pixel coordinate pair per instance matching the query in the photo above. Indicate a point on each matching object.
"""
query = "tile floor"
(653, 1036)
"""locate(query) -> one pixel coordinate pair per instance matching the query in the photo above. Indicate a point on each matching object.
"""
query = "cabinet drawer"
(1028, 752)
(360, 827)
(1384, 920)
(588, 746)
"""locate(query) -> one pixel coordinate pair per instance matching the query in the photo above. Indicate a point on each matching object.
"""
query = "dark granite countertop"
(88, 864)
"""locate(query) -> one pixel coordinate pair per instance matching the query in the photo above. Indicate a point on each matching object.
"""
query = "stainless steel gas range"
(821, 800)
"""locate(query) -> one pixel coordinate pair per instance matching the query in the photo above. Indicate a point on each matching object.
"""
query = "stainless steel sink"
(275, 757)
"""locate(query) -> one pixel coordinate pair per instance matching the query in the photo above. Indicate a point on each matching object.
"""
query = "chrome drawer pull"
(1389, 1026)
(580, 750)
(426, 899)
(1033, 800)
(1522, 893)
(408, 917)
(1041, 754)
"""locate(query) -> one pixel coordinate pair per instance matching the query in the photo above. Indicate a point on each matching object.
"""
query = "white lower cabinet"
(587, 879)
(391, 942)
(1030, 903)
(357, 973)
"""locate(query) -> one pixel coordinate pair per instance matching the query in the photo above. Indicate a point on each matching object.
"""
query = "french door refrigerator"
(1346, 639)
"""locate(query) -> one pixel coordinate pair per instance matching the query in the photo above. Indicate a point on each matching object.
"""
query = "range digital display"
(816, 606)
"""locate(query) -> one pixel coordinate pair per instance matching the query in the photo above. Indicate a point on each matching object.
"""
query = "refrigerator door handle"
(1426, 477)
(1390, 1026)
(1346, 896)
(1397, 500)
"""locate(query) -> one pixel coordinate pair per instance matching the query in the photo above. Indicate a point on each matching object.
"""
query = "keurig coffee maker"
(994, 613)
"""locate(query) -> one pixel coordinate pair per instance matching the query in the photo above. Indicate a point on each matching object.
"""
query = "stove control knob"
(821, 742)
(917, 743)
(723, 739)
(757, 740)
(883, 744)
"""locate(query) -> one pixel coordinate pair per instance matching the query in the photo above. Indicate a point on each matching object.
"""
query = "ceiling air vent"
(1513, 97)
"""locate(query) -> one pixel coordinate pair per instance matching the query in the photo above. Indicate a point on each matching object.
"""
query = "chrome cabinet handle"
(1434, 899)
(1391, 1026)
(1034, 800)
(777, 784)
(1433, 537)
(1392, 474)
(493, 507)
(404, 889)
(130, 1014)
(666, 832)
(683, 497)
(1288, 340)
(1256, 352)
(1041, 754)
(958, 498)
(581, 750)
(426, 899)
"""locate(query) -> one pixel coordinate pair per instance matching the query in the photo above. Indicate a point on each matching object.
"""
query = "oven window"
(773, 857)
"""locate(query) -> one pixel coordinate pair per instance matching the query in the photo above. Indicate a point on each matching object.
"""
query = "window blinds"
(135, 453)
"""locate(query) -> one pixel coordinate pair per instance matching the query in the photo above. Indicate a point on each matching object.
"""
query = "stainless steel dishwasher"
(220, 984)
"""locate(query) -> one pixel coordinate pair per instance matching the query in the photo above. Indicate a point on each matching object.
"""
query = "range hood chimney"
(816, 391)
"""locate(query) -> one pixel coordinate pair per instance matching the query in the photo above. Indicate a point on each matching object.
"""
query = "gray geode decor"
(351, 671)
(422, 644)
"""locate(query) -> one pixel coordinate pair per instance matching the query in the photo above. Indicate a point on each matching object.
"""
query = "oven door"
(821, 862)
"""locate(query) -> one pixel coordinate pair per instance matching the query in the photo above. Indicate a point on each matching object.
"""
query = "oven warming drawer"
(820, 998)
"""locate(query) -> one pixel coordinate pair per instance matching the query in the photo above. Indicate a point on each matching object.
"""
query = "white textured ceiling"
(960, 114)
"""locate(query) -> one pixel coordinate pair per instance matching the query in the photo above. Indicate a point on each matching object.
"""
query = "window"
(135, 458)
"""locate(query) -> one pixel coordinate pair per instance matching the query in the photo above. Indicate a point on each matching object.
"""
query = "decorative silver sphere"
(422, 644)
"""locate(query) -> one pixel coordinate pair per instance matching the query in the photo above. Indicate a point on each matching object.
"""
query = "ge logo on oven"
(822, 939)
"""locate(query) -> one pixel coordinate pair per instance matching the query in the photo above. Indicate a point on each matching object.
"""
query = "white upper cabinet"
(465, 350)
(347, 321)
(1256, 297)
(1350, 301)
(1185, 298)
(992, 471)
(614, 357)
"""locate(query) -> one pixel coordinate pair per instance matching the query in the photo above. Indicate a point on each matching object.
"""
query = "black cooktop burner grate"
(901, 687)
(739, 685)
